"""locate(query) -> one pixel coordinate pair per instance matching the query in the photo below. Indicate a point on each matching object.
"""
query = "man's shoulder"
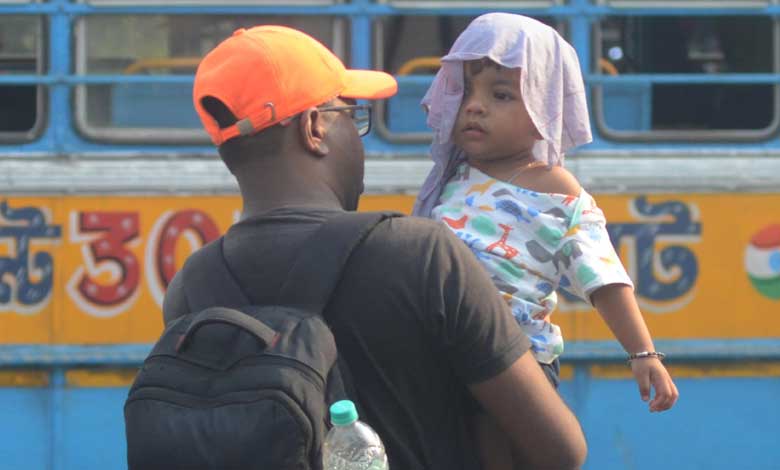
(410, 231)
(414, 225)
(411, 244)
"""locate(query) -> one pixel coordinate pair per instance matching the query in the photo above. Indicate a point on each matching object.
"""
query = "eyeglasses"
(360, 114)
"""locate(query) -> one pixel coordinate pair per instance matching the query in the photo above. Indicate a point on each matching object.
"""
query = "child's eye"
(502, 96)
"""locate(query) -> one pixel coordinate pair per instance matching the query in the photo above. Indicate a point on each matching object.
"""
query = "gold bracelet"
(644, 354)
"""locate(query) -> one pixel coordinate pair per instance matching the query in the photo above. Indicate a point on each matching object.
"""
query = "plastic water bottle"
(351, 444)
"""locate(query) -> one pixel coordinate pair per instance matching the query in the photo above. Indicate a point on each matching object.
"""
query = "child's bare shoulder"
(551, 180)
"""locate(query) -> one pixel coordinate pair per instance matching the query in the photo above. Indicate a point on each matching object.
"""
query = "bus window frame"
(685, 3)
(380, 107)
(151, 3)
(41, 108)
(714, 135)
(156, 135)
(380, 125)
(486, 5)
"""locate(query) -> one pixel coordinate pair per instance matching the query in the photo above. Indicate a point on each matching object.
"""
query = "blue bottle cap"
(343, 413)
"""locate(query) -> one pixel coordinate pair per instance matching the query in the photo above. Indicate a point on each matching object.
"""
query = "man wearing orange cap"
(418, 322)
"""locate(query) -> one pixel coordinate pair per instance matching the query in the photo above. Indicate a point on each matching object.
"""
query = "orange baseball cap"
(269, 73)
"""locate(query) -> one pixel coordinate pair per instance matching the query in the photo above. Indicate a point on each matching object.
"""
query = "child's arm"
(618, 307)
(616, 304)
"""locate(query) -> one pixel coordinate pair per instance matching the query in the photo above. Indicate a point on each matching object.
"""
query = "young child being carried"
(507, 103)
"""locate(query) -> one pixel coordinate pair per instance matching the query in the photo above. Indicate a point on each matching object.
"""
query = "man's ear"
(312, 131)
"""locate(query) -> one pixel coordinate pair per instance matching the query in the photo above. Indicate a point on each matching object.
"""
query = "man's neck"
(253, 208)
(287, 181)
(263, 195)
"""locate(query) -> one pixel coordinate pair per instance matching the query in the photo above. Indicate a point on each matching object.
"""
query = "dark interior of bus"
(672, 45)
(18, 103)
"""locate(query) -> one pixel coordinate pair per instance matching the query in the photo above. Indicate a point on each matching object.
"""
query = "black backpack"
(238, 386)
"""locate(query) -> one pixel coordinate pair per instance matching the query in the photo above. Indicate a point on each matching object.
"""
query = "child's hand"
(650, 371)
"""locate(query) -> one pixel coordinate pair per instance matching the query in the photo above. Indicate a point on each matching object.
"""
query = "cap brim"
(369, 85)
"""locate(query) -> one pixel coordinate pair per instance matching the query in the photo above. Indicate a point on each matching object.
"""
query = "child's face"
(492, 122)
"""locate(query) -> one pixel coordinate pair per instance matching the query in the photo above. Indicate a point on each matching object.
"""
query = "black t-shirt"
(415, 317)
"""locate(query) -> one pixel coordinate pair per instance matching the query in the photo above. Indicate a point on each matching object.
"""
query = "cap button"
(239, 31)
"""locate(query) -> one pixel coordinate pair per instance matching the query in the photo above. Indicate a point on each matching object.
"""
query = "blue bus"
(100, 144)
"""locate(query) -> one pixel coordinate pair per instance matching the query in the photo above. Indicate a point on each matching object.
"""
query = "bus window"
(412, 45)
(690, 45)
(161, 45)
(20, 104)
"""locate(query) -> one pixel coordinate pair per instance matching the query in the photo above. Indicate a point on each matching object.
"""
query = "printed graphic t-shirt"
(531, 244)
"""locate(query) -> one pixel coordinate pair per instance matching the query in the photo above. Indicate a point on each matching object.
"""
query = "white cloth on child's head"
(550, 83)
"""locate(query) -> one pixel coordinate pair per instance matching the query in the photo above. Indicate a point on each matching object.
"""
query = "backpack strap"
(317, 268)
(208, 282)
(316, 272)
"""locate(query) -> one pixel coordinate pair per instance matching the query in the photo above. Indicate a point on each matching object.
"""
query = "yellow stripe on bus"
(695, 371)
(24, 378)
(100, 378)
(84, 307)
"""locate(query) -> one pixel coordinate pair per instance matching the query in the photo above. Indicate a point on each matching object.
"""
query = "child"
(505, 106)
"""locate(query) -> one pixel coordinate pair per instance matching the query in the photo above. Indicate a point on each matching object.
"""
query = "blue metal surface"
(719, 424)
(576, 351)
(93, 435)
(577, 8)
(67, 427)
(627, 107)
(65, 79)
(731, 78)
(67, 355)
(25, 439)
(404, 113)
(361, 53)
(680, 350)
(60, 129)
(580, 32)
(57, 415)
(693, 78)
(153, 105)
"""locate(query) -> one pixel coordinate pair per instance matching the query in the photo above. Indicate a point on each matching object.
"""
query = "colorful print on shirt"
(532, 244)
